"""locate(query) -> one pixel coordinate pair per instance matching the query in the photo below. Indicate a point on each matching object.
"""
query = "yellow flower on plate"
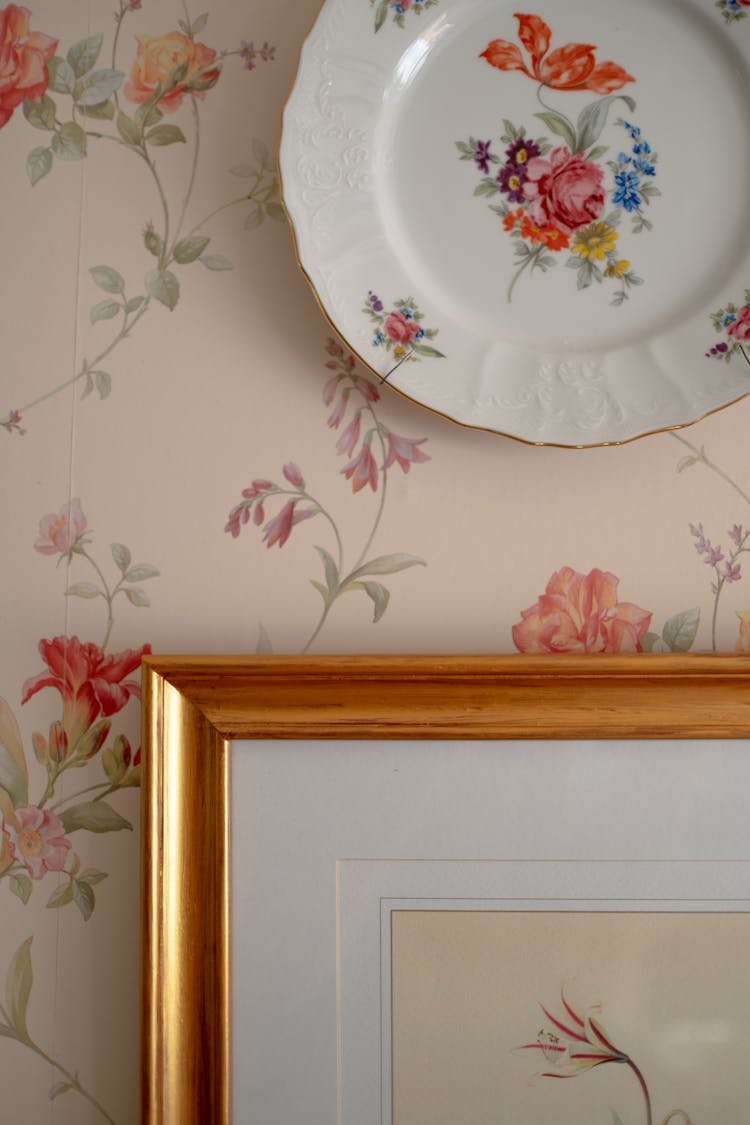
(617, 269)
(595, 241)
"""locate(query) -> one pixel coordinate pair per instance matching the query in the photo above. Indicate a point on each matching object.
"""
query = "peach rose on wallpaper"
(24, 55)
(580, 613)
(157, 61)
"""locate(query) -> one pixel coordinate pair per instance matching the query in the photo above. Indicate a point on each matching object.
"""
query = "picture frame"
(194, 707)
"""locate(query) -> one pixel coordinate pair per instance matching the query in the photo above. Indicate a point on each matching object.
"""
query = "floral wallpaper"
(193, 464)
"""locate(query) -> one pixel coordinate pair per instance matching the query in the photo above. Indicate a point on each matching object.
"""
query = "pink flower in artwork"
(91, 682)
(577, 1043)
(405, 451)
(581, 613)
(59, 534)
(564, 190)
(362, 470)
(400, 330)
(740, 328)
(278, 529)
(37, 841)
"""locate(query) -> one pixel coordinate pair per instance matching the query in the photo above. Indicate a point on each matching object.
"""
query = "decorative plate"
(531, 222)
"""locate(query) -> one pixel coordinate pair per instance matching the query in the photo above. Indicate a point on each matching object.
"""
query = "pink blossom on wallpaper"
(732, 572)
(278, 529)
(293, 474)
(341, 402)
(362, 470)
(59, 534)
(714, 555)
(737, 534)
(581, 613)
(405, 451)
(350, 436)
(38, 841)
(12, 423)
(90, 682)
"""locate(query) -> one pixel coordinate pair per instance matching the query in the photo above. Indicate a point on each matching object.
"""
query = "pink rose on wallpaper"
(400, 330)
(740, 328)
(37, 840)
(24, 55)
(158, 59)
(90, 682)
(59, 534)
(581, 613)
(565, 191)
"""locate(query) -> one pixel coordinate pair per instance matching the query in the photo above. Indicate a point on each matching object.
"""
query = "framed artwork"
(388, 890)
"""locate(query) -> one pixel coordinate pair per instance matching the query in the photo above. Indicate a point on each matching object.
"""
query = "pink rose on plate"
(563, 190)
(740, 329)
(581, 613)
(400, 330)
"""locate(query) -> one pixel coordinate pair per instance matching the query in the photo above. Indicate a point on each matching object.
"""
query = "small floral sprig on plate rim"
(734, 322)
(733, 10)
(399, 8)
(400, 330)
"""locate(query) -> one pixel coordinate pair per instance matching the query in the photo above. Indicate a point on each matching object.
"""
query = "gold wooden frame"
(194, 707)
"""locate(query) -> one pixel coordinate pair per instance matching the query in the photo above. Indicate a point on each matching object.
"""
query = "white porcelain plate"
(531, 222)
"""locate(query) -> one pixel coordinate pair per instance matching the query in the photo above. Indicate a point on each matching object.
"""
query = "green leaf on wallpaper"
(263, 646)
(263, 155)
(387, 564)
(255, 217)
(91, 876)
(680, 631)
(330, 570)
(82, 55)
(93, 816)
(61, 76)
(84, 898)
(322, 590)
(652, 642)
(14, 775)
(141, 572)
(70, 142)
(38, 164)
(83, 590)
(88, 385)
(147, 114)
(138, 598)
(105, 111)
(128, 130)
(108, 279)
(104, 310)
(114, 767)
(199, 23)
(121, 556)
(98, 87)
(164, 286)
(20, 885)
(103, 383)
(275, 211)
(165, 135)
(134, 304)
(18, 986)
(40, 114)
(215, 262)
(59, 1088)
(378, 595)
(188, 249)
(61, 896)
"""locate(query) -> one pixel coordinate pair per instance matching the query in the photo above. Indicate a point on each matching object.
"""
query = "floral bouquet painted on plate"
(578, 195)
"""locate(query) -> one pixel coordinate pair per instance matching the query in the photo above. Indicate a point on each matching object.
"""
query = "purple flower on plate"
(482, 156)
